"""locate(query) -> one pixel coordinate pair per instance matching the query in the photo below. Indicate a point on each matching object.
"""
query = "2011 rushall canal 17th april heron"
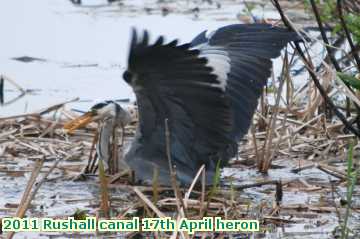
(205, 92)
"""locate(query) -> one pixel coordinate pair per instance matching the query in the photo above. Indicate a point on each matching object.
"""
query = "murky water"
(83, 50)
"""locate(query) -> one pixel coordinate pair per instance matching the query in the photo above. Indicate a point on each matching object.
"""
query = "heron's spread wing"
(241, 57)
(172, 81)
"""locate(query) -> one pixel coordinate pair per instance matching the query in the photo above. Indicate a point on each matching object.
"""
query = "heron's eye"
(127, 76)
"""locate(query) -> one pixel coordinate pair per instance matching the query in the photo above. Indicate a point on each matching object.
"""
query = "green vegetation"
(349, 80)
(216, 183)
(329, 15)
(80, 214)
(352, 175)
(216, 179)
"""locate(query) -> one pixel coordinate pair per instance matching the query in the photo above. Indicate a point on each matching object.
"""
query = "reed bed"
(298, 144)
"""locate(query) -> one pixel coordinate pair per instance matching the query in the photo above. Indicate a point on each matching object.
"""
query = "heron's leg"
(114, 156)
(122, 135)
(94, 165)
(91, 157)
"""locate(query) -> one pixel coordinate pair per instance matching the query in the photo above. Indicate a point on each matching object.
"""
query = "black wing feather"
(172, 81)
(250, 48)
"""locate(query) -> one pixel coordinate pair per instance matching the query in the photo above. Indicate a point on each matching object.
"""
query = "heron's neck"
(105, 139)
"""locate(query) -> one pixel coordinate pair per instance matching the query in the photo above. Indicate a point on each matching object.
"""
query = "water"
(84, 48)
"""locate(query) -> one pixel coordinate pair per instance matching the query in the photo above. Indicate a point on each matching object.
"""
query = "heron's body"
(207, 90)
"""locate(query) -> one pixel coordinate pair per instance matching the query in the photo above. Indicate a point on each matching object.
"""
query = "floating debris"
(28, 59)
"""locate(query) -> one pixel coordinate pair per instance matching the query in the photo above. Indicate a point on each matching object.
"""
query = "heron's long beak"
(79, 122)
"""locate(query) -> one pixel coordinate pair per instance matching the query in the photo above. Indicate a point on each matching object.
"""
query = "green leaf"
(79, 214)
(350, 80)
(350, 162)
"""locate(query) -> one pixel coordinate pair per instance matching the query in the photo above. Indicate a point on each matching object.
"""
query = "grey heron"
(110, 116)
(207, 90)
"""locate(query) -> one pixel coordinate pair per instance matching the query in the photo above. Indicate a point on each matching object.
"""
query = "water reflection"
(21, 91)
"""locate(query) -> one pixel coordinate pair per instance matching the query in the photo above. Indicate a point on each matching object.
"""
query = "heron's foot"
(80, 177)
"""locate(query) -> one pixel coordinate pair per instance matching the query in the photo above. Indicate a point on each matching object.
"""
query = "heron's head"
(100, 111)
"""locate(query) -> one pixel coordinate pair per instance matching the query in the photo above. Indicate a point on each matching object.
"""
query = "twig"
(253, 185)
(203, 188)
(13, 83)
(1, 90)
(41, 112)
(172, 167)
(331, 171)
(347, 33)
(34, 174)
(179, 200)
(314, 77)
(187, 194)
(148, 202)
(258, 162)
(324, 37)
(266, 159)
(56, 106)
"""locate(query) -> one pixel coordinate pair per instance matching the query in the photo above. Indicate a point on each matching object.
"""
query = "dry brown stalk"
(27, 196)
(198, 174)
(34, 174)
(266, 153)
(148, 202)
(332, 171)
